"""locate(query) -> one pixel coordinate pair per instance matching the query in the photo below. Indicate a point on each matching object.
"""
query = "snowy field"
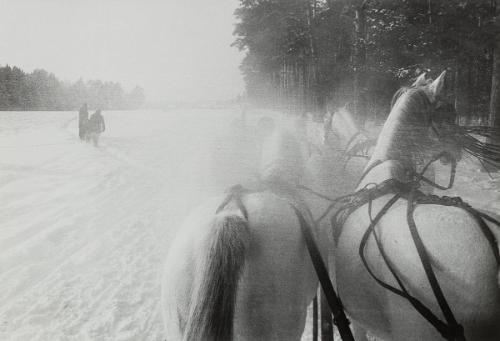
(84, 230)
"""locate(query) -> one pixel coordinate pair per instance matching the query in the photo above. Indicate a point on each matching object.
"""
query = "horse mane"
(397, 95)
(483, 143)
(408, 123)
(414, 101)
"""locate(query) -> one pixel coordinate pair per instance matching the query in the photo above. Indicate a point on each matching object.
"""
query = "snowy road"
(84, 230)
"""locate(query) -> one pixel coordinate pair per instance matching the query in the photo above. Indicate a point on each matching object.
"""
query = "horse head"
(443, 121)
(399, 233)
(421, 124)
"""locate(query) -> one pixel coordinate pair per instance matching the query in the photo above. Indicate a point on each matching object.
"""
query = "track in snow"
(84, 230)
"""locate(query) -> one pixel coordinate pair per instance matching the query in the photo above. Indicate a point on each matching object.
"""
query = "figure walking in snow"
(83, 119)
(96, 126)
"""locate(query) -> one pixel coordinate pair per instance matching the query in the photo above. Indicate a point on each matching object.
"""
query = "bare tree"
(359, 60)
(494, 118)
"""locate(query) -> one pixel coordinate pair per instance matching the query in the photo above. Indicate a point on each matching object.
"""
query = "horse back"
(460, 255)
(278, 282)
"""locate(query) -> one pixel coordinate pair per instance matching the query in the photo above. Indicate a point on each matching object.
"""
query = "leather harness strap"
(367, 170)
(351, 140)
(339, 317)
(235, 194)
(455, 331)
(451, 330)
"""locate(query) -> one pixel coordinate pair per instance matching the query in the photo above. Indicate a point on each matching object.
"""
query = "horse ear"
(437, 86)
(420, 81)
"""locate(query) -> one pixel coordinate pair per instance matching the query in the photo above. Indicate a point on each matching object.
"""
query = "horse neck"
(398, 143)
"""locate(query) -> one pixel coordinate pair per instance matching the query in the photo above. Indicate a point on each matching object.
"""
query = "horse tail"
(215, 285)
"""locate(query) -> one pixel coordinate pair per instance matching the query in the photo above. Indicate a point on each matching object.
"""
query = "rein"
(351, 140)
(351, 148)
(451, 329)
(340, 319)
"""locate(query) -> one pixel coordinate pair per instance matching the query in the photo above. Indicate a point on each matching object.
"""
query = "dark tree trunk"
(462, 89)
(311, 62)
(359, 61)
(475, 93)
(494, 118)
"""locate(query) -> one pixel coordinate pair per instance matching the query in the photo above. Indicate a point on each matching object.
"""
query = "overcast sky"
(174, 49)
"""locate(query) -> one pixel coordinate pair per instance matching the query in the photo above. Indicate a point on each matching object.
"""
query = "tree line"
(304, 54)
(41, 90)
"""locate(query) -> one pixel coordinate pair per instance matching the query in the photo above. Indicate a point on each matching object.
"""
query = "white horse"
(355, 143)
(327, 175)
(348, 147)
(330, 172)
(240, 270)
(462, 255)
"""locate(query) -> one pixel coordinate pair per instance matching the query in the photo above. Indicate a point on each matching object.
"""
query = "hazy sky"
(174, 49)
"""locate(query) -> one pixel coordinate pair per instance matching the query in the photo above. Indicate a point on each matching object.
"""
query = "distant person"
(83, 119)
(96, 126)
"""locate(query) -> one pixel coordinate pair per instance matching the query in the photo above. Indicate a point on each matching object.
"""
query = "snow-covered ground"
(84, 230)
(474, 185)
